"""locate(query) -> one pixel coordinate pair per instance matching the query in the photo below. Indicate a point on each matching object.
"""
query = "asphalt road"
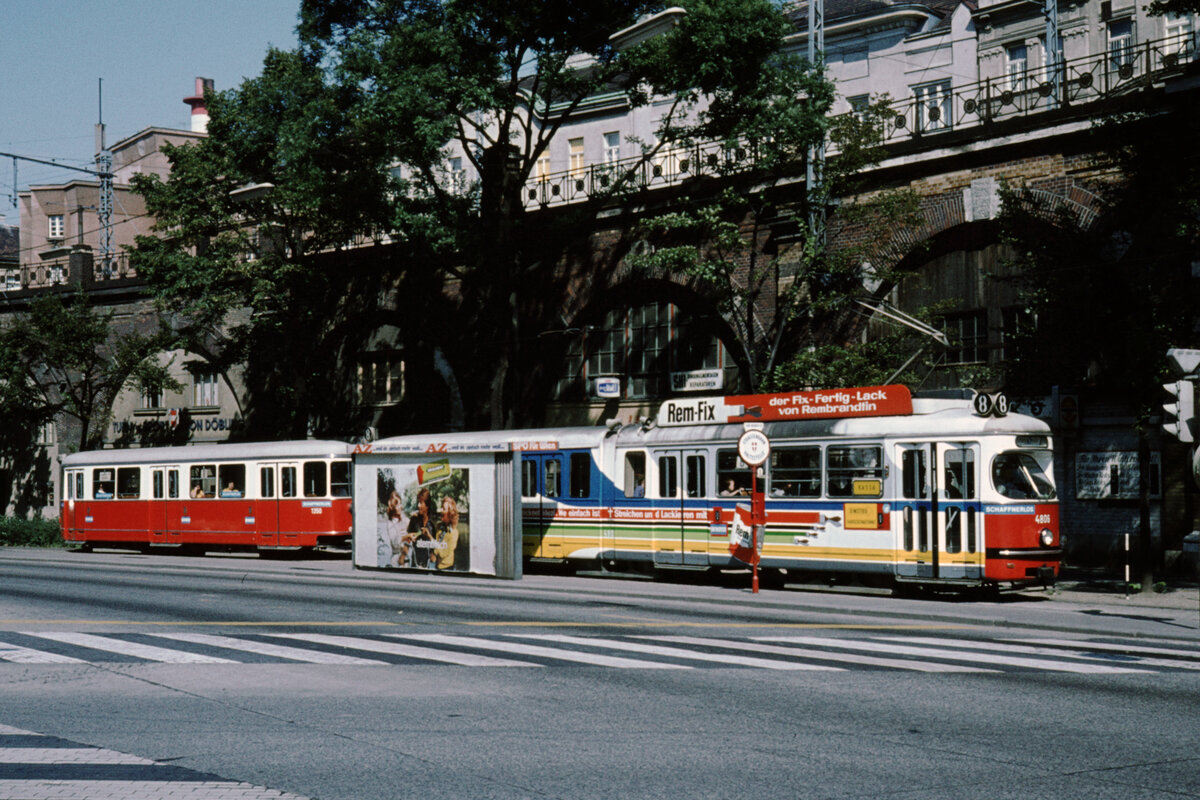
(236, 677)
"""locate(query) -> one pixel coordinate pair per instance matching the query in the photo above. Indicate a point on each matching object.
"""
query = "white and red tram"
(266, 496)
(865, 481)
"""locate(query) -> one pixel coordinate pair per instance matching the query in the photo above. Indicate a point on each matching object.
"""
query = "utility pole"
(104, 171)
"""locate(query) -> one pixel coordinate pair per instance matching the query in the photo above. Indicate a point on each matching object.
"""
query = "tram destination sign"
(859, 401)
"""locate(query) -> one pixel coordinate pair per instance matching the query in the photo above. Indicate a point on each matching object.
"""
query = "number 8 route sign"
(754, 447)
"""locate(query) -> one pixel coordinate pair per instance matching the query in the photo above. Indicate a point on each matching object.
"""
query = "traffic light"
(1178, 420)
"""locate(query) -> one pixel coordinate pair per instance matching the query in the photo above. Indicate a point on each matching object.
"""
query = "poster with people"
(423, 516)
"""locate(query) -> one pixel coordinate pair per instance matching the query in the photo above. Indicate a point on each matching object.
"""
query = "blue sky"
(53, 54)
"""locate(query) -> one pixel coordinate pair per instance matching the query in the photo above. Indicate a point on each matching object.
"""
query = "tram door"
(541, 486)
(681, 476)
(958, 511)
(164, 491)
(915, 511)
(266, 507)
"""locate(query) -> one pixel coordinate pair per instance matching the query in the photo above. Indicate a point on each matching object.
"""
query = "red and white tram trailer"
(267, 496)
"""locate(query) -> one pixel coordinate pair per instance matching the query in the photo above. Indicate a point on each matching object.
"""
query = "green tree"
(792, 311)
(287, 173)
(66, 357)
(502, 79)
(1112, 288)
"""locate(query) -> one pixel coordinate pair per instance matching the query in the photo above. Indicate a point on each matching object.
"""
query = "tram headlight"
(1047, 537)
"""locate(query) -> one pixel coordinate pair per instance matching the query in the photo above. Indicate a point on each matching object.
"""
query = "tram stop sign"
(754, 447)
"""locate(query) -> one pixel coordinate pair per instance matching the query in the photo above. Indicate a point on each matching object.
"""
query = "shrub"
(17, 532)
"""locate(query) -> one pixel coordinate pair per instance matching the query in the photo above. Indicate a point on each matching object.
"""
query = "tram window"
(553, 478)
(912, 475)
(315, 478)
(233, 480)
(733, 474)
(104, 484)
(79, 485)
(203, 480)
(266, 481)
(173, 484)
(581, 474)
(287, 481)
(1019, 476)
(796, 472)
(529, 478)
(129, 483)
(635, 474)
(339, 478)
(159, 487)
(855, 471)
(695, 476)
(960, 475)
(668, 476)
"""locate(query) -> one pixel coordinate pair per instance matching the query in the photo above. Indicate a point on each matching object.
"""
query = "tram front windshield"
(1022, 476)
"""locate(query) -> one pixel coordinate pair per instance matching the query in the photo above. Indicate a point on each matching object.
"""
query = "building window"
(205, 389)
(458, 176)
(576, 150)
(541, 168)
(1016, 63)
(12, 280)
(644, 346)
(380, 379)
(859, 104)
(612, 147)
(56, 228)
(933, 106)
(968, 337)
(1120, 43)
(1016, 323)
(1177, 30)
(151, 399)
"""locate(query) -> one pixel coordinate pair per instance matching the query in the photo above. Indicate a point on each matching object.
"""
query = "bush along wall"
(16, 532)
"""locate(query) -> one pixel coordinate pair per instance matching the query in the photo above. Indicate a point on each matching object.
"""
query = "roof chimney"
(199, 110)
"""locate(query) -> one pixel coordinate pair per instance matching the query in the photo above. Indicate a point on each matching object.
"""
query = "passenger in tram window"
(420, 528)
(230, 490)
(197, 490)
(639, 485)
(732, 489)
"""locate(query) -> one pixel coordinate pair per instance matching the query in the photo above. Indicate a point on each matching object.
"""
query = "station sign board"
(860, 401)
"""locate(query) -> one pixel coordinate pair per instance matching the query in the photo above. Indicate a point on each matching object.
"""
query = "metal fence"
(935, 109)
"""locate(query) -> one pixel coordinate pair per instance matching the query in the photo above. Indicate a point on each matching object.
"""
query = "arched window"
(653, 349)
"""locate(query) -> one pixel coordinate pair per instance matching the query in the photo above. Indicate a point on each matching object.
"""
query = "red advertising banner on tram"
(860, 401)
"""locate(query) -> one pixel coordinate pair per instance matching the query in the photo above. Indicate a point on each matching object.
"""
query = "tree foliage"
(502, 79)
(66, 357)
(241, 269)
(1112, 288)
(791, 307)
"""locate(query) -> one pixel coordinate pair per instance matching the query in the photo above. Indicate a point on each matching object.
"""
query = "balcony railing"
(938, 110)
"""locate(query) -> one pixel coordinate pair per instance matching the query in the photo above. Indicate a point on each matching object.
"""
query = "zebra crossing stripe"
(39, 767)
(939, 650)
(1186, 658)
(595, 659)
(1006, 647)
(825, 655)
(408, 650)
(677, 652)
(26, 655)
(269, 649)
(66, 755)
(146, 651)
